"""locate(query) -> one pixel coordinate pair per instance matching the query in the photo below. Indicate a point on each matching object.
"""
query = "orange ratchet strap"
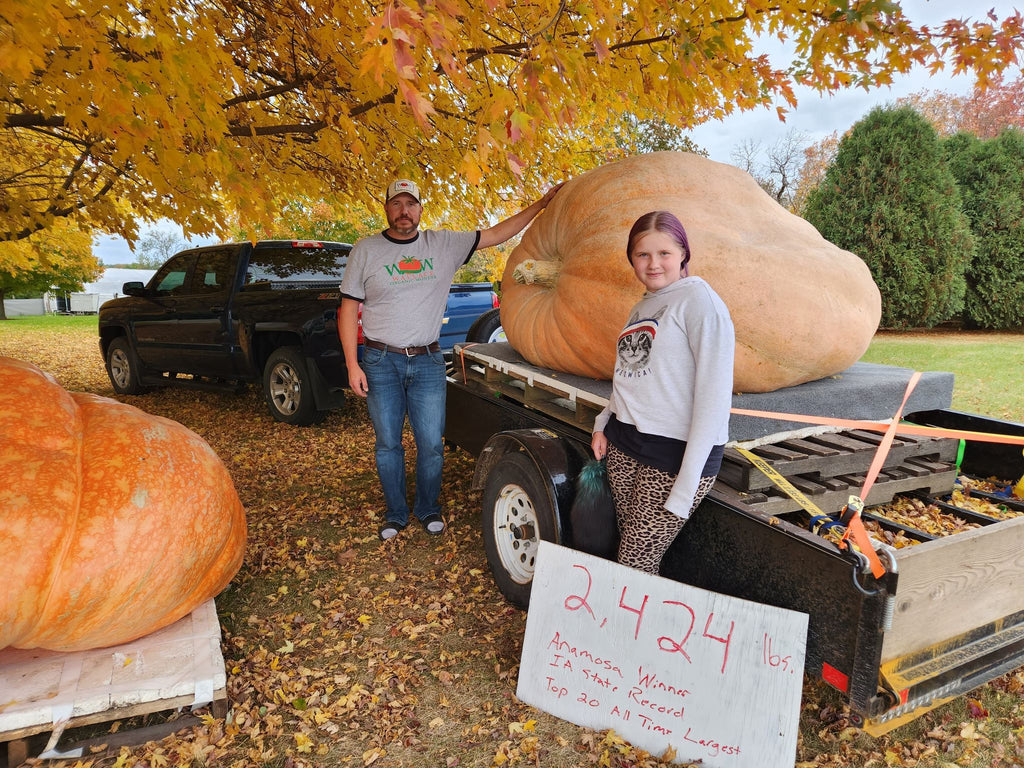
(462, 358)
(881, 426)
(851, 512)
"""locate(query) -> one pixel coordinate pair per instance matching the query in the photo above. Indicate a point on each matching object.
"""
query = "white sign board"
(662, 663)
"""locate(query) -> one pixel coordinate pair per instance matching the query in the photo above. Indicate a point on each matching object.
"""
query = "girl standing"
(667, 419)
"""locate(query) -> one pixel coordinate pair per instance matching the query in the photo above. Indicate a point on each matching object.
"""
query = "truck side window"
(285, 264)
(213, 271)
(170, 280)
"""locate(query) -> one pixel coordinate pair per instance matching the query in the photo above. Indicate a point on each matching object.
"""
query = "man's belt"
(407, 351)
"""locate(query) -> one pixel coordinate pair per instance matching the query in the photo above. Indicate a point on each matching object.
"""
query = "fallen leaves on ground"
(341, 650)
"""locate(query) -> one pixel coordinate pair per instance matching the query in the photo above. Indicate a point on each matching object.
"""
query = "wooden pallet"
(830, 494)
(820, 457)
(45, 692)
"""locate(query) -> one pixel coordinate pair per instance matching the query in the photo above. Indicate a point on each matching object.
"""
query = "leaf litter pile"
(341, 650)
(915, 514)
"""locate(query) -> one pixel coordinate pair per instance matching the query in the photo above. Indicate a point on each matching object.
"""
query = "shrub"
(990, 175)
(891, 198)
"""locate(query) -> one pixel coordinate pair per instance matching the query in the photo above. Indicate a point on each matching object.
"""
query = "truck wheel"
(517, 514)
(123, 367)
(486, 328)
(287, 389)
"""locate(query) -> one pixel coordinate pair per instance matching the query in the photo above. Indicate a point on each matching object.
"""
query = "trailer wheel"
(486, 328)
(287, 389)
(517, 514)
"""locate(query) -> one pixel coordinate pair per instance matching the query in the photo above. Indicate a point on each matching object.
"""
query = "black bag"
(592, 515)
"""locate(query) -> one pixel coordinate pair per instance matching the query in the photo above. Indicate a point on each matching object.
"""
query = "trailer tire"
(288, 389)
(486, 328)
(517, 513)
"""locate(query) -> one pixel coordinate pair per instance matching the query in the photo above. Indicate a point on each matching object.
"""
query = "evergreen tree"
(990, 175)
(891, 198)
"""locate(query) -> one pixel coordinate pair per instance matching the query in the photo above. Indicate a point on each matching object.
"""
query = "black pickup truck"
(229, 314)
(226, 315)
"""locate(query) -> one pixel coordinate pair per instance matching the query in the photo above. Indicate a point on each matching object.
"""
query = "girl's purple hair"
(659, 221)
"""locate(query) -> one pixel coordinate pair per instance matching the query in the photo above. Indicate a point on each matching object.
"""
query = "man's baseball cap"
(403, 185)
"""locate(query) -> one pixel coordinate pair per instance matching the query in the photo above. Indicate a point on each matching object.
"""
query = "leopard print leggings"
(646, 528)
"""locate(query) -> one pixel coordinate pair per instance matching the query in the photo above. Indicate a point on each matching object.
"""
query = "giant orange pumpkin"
(802, 307)
(113, 523)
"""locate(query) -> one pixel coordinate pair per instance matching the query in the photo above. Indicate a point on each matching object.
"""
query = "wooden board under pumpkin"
(47, 691)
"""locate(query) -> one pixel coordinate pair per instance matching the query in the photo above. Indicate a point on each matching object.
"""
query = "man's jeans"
(400, 385)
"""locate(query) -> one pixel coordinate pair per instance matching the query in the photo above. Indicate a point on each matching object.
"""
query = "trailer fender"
(528, 478)
(558, 461)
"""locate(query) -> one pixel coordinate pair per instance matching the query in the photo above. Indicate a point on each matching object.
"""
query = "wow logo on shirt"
(409, 268)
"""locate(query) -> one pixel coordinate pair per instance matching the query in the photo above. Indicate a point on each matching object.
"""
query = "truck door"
(186, 326)
(205, 323)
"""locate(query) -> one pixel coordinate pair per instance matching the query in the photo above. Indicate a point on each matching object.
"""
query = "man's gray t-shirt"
(404, 284)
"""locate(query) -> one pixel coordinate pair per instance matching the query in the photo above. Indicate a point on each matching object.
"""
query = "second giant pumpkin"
(803, 308)
(113, 523)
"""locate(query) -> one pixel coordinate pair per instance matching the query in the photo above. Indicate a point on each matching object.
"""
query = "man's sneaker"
(433, 524)
(389, 530)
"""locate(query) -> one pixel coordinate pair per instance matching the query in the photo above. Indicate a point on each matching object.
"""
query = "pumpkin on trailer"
(113, 523)
(802, 307)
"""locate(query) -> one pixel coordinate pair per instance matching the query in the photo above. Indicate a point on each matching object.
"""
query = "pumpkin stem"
(531, 271)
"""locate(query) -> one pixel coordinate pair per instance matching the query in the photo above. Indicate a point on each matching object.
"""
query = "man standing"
(402, 277)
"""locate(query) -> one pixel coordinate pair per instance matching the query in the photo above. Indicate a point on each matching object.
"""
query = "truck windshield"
(296, 265)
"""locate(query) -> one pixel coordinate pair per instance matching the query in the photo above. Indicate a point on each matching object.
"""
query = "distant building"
(113, 278)
(109, 286)
(87, 301)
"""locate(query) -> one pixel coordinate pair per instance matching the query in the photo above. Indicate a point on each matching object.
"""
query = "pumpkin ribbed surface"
(802, 307)
(113, 523)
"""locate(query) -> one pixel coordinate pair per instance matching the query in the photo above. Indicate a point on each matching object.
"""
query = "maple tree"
(57, 258)
(193, 110)
(817, 159)
(983, 113)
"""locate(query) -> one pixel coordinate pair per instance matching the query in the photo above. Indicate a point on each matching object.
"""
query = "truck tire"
(287, 388)
(517, 514)
(123, 368)
(486, 328)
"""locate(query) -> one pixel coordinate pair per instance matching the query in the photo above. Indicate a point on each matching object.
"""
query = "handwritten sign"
(664, 664)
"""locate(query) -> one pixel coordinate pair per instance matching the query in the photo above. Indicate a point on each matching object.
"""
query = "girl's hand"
(599, 445)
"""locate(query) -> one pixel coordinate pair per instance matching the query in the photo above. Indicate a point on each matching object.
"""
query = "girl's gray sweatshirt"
(673, 376)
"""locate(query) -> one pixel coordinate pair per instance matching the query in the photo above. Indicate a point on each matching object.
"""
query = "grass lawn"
(988, 366)
(49, 323)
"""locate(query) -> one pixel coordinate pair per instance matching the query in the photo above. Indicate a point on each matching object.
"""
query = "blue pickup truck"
(223, 316)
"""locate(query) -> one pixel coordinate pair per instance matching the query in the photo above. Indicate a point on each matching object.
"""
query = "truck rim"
(120, 369)
(285, 388)
(515, 532)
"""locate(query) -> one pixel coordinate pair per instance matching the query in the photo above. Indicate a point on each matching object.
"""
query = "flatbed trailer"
(946, 617)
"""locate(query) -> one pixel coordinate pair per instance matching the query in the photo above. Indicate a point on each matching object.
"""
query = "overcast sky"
(818, 116)
(815, 116)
